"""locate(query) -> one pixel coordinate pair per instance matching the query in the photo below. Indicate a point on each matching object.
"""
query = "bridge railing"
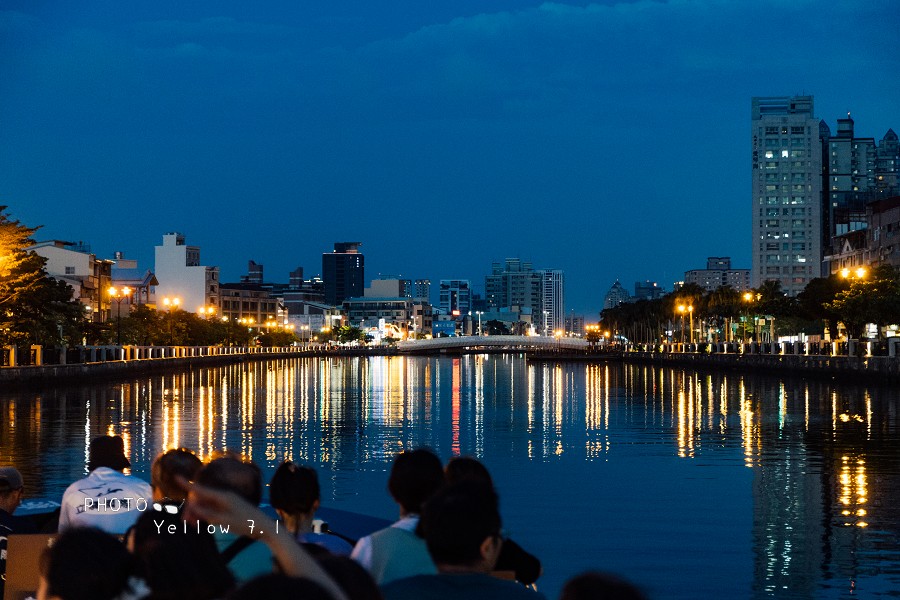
(12, 356)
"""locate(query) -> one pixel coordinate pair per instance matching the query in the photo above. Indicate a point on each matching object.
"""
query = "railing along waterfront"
(47, 367)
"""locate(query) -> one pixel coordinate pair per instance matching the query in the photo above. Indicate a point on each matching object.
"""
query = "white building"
(553, 302)
(182, 277)
(88, 276)
(786, 191)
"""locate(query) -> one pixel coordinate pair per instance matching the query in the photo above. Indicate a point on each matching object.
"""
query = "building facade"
(856, 173)
(718, 272)
(343, 272)
(515, 285)
(616, 295)
(648, 290)
(786, 174)
(455, 296)
(182, 277)
(89, 277)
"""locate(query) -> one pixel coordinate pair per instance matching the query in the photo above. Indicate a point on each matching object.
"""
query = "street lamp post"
(171, 303)
(479, 313)
(119, 294)
(857, 274)
(681, 309)
(691, 313)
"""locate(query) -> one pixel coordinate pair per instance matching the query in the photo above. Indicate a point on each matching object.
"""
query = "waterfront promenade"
(46, 367)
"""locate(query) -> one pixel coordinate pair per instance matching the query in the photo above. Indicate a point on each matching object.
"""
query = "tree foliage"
(873, 299)
(34, 307)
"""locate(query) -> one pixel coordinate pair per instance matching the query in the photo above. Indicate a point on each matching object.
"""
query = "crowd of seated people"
(197, 532)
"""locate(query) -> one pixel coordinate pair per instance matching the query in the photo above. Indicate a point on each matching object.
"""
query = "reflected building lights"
(455, 407)
(480, 362)
(853, 491)
(782, 406)
(749, 427)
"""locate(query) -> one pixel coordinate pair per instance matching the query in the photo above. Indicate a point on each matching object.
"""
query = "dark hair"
(351, 577)
(457, 520)
(108, 451)
(599, 586)
(415, 476)
(233, 474)
(460, 468)
(277, 585)
(86, 564)
(184, 564)
(294, 488)
(176, 462)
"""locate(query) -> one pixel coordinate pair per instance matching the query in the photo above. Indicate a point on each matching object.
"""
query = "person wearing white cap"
(107, 498)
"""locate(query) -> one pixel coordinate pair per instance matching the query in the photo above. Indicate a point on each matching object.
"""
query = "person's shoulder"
(473, 586)
(76, 486)
(481, 585)
(410, 587)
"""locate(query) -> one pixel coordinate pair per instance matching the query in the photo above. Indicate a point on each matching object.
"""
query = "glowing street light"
(119, 294)
(858, 273)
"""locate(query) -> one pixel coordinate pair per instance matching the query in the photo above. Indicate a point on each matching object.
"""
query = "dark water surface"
(694, 485)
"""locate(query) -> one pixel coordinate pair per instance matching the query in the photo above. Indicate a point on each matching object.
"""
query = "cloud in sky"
(609, 140)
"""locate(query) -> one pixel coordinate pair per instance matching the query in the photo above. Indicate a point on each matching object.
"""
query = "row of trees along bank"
(853, 301)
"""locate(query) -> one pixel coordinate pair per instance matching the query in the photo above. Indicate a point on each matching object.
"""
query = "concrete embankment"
(875, 369)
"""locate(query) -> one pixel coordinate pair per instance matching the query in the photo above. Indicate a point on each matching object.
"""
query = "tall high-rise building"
(616, 295)
(553, 305)
(787, 192)
(343, 271)
(455, 296)
(856, 173)
(515, 284)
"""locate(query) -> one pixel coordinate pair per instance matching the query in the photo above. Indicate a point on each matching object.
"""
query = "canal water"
(691, 484)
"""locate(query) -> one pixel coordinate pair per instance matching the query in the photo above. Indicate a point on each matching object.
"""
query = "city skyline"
(605, 140)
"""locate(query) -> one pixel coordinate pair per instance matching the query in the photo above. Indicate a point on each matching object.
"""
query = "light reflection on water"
(691, 484)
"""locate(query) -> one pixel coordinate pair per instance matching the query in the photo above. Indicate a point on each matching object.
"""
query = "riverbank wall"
(45, 376)
(875, 369)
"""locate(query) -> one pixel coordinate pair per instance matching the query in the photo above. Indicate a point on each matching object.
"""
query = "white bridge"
(495, 342)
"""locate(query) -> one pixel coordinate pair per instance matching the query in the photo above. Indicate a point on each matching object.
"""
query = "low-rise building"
(89, 277)
(247, 301)
(718, 272)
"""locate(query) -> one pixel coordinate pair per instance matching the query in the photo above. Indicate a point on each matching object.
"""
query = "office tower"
(515, 284)
(422, 290)
(455, 296)
(616, 295)
(553, 306)
(343, 271)
(787, 192)
(856, 173)
(254, 273)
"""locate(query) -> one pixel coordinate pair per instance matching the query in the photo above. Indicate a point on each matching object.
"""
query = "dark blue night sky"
(610, 140)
